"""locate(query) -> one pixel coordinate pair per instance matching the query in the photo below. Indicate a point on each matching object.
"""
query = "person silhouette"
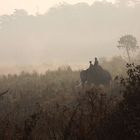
(96, 62)
(90, 65)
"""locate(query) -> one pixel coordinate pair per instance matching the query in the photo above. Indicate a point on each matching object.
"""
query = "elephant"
(96, 75)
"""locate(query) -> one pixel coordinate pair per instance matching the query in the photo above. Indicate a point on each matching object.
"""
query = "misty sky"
(33, 6)
(70, 33)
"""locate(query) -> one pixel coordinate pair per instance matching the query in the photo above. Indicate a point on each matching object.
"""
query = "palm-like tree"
(129, 43)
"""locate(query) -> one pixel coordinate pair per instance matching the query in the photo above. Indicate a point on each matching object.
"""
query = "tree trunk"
(128, 54)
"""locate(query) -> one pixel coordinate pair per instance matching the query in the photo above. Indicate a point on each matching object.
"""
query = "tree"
(127, 2)
(20, 12)
(123, 122)
(123, 2)
(129, 43)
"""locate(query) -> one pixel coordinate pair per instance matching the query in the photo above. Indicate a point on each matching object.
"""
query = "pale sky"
(32, 6)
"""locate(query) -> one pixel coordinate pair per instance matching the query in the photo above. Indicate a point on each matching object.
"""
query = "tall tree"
(129, 43)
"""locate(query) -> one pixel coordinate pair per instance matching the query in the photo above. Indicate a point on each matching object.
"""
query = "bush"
(124, 121)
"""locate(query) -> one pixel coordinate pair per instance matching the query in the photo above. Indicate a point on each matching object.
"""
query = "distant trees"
(20, 12)
(38, 37)
(116, 66)
(123, 2)
(127, 2)
(129, 43)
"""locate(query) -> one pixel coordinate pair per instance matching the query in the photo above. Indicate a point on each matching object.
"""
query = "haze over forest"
(66, 34)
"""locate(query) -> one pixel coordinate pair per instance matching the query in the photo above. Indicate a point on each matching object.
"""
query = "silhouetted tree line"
(64, 112)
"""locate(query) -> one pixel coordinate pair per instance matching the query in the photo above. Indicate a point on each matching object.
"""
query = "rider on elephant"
(91, 66)
(96, 62)
(95, 74)
(96, 65)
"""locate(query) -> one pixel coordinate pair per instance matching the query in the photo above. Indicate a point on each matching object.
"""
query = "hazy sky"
(69, 33)
(32, 6)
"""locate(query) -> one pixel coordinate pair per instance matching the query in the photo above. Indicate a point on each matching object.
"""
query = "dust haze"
(67, 34)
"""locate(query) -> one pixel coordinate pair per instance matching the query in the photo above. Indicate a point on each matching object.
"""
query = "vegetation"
(129, 43)
(123, 122)
(52, 106)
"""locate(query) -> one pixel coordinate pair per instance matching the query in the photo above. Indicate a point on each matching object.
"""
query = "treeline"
(53, 107)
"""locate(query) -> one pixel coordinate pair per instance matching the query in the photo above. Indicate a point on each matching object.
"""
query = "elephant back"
(98, 75)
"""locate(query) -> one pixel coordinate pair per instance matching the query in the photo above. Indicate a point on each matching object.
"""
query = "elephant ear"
(83, 75)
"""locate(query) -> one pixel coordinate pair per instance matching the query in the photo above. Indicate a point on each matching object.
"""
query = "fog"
(67, 34)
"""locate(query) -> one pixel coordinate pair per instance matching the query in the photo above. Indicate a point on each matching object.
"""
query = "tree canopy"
(128, 42)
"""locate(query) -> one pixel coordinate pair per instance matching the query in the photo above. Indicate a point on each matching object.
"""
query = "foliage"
(116, 66)
(123, 123)
(52, 107)
(129, 43)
